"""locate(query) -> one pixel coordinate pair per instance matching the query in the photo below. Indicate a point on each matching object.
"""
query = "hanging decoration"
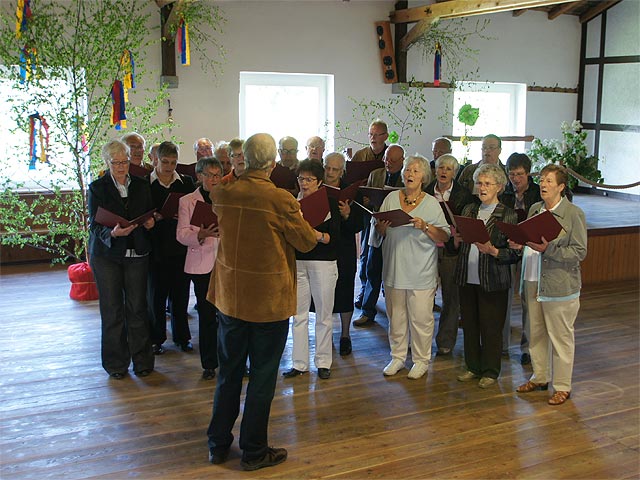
(182, 39)
(118, 115)
(23, 15)
(28, 63)
(38, 124)
(437, 65)
(128, 68)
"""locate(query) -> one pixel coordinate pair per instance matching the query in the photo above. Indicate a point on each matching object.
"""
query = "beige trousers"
(410, 312)
(552, 340)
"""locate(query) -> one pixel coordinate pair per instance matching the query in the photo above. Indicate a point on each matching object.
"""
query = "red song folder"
(203, 215)
(377, 195)
(283, 177)
(110, 219)
(360, 170)
(533, 229)
(347, 194)
(315, 207)
(397, 217)
(170, 206)
(188, 170)
(472, 229)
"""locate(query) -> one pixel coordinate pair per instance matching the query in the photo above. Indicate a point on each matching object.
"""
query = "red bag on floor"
(83, 285)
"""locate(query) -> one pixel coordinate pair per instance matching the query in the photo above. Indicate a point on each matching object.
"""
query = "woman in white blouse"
(410, 268)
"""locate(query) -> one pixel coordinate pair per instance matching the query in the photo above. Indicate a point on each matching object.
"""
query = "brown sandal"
(559, 398)
(531, 387)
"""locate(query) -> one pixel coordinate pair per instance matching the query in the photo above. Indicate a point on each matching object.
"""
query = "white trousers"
(552, 339)
(410, 312)
(317, 280)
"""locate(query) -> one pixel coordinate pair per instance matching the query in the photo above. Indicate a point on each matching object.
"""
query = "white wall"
(339, 38)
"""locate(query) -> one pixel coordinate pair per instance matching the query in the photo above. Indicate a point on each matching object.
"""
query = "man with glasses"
(378, 134)
(288, 152)
(491, 149)
(237, 161)
(203, 148)
(315, 149)
(136, 144)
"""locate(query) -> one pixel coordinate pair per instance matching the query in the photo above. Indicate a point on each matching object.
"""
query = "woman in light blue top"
(551, 284)
(410, 267)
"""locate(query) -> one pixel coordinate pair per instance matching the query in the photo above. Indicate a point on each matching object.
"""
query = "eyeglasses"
(489, 149)
(211, 175)
(136, 147)
(313, 147)
(307, 179)
(376, 135)
(288, 151)
(236, 155)
(485, 184)
(120, 164)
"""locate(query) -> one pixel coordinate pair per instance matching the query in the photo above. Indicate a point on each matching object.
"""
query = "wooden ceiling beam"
(561, 9)
(517, 13)
(427, 14)
(597, 10)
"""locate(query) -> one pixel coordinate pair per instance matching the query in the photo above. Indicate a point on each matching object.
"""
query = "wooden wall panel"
(613, 255)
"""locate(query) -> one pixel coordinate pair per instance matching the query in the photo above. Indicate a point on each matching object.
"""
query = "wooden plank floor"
(62, 417)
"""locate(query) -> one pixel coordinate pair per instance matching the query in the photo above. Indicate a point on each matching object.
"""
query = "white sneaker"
(393, 367)
(418, 370)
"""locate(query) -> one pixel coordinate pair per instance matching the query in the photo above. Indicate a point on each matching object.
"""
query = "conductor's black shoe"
(293, 373)
(208, 374)
(157, 349)
(218, 455)
(186, 347)
(144, 373)
(324, 373)
(117, 375)
(274, 456)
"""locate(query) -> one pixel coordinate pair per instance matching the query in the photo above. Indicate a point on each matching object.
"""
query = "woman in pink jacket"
(202, 245)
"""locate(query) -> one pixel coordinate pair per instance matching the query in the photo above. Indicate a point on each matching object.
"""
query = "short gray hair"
(111, 148)
(490, 170)
(424, 165)
(259, 151)
(337, 155)
(129, 135)
(205, 162)
(448, 160)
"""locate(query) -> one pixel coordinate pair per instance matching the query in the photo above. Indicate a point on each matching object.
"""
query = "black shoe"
(157, 349)
(117, 375)
(218, 455)
(525, 359)
(274, 456)
(185, 347)
(293, 373)
(208, 374)
(345, 346)
(144, 373)
(324, 373)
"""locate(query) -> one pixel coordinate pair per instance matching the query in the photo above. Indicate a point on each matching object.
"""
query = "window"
(287, 104)
(502, 112)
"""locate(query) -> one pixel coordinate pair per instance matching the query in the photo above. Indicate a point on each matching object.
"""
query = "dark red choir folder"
(397, 217)
(472, 229)
(315, 207)
(347, 194)
(355, 171)
(188, 170)
(533, 229)
(376, 195)
(110, 219)
(170, 206)
(203, 215)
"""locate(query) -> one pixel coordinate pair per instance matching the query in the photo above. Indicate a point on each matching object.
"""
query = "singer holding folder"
(410, 267)
(119, 258)
(551, 284)
(484, 276)
(202, 245)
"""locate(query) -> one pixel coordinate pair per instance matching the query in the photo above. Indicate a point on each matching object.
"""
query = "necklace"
(411, 202)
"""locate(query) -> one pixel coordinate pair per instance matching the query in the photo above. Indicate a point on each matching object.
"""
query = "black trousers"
(207, 322)
(167, 280)
(483, 314)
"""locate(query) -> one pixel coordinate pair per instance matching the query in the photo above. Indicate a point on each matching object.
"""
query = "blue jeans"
(374, 282)
(122, 284)
(263, 343)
